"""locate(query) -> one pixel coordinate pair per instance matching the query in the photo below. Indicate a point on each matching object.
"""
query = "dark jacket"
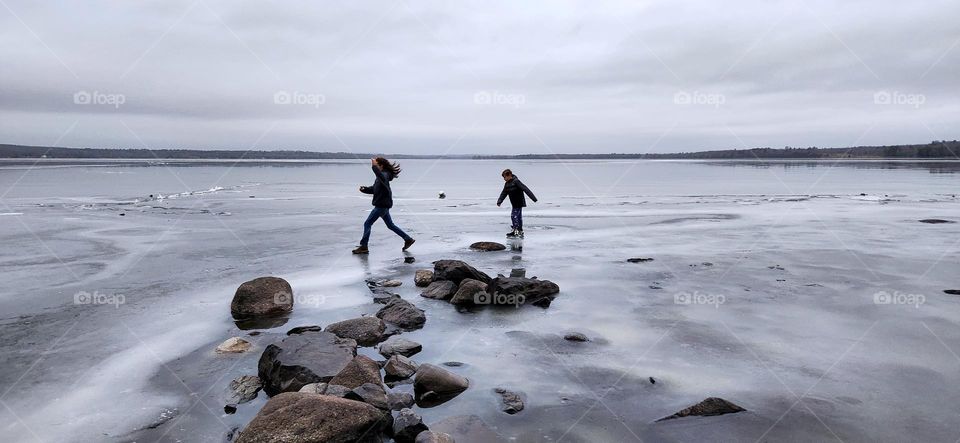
(382, 195)
(515, 189)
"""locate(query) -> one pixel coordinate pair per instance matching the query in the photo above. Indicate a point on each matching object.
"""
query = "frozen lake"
(806, 292)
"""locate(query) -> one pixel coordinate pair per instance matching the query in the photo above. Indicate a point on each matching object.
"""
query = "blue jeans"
(383, 213)
(516, 217)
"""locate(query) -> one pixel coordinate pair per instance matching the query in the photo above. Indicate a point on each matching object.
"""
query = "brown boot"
(361, 250)
(407, 244)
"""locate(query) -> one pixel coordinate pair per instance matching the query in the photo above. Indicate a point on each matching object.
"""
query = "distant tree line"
(935, 149)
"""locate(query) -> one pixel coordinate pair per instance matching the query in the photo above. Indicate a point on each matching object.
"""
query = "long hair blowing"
(387, 165)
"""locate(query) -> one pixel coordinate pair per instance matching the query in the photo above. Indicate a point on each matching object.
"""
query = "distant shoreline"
(936, 150)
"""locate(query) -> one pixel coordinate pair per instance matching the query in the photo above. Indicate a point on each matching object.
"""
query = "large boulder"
(487, 246)
(358, 371)
(440, 290)
(264, 296)
(471, 292)
(423, 277)
(367, 331)
(708, 407)
(295, 417)
(456, 271)
(522, 290)
(407, 425)
(433, 385)
(399, 346)
(301, 359)
(403, 314)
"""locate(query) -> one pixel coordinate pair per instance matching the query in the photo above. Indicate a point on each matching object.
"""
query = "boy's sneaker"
(361, 250)
(408, 243)
(520, 233)
(512, 233)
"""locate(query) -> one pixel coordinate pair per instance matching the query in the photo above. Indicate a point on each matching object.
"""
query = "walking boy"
(515, 189)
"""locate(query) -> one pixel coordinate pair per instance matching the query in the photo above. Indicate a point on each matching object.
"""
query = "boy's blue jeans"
(383, 213)
(516, 217)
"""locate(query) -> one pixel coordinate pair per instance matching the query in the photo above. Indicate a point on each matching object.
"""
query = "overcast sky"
(480, 77)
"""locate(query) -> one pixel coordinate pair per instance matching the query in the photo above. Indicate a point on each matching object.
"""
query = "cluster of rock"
(463, 285)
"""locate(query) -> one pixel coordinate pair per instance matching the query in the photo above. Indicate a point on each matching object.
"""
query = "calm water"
(797, 251)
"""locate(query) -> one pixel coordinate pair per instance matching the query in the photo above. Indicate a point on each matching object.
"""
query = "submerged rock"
(576, 336)
(440, 290)
(298, 417)
(471, 292)
(467, 428)
(487, 246)
(243, 389)
(708, 407)
(456, 271)
(302, 329)
(407, 425)
(952, 291)
(434, 385)
(358, 371)
(433, 437)
(403, 314)
(367, 331)
(301, 359)
(264, 296)
(639, 259)
(423, 277)
(512, 401)
(506, 290)
(935, 221)
(399, 346)
(233, 345)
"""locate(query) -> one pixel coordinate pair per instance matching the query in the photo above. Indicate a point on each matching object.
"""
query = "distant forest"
(932, 150)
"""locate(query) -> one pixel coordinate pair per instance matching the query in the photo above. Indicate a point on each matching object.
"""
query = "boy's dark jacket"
(515, 189)
(382, 195)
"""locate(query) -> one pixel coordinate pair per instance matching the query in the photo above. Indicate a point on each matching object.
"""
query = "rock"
(308, 418)
(409, 259)
(708, 407)
(576, 336)
(407, 425)
(487, 246)
(399, 346)
(399, 400)
(264, 296)
(471, 292)
(403, 314)
(952, 291)
(434, 385)
(440, 290)
(233, 345)
(521, 290)
(935, 221)
(243, 389)
(518, 272)
(314, 388)
(453, 364)
(367, 331)
(512, 401)
(467, 429)
(336, 390)
(456, 271)
(433, 437)
(399, 367)
(360, 370)
(383, 296)
(391, 283)
(423, 277)
(301, 359)
(302, 329)
(639, 260)
(369, 393)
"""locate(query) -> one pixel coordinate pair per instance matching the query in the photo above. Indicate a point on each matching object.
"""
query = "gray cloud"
(415, 77)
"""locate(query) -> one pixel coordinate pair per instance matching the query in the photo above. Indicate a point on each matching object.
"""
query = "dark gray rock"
(294, 417)
(512, 402)
(471, 292)
(935, 221)
(399, 346)
(264, 296)
(372, 394)
(360, 370)
(708, 407)
(456, 271)
(297, 360)
(399, 400)
(433, 385)
(302, 329)
(639, 260)
(576, 336)
(407, 425)
(399, 367)
(521, 290)
(243, 389)
(440, 290)
(403, 314)
(383, 296)
(952, 291)
(367, 331)
(423, 277)
(487, 246)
